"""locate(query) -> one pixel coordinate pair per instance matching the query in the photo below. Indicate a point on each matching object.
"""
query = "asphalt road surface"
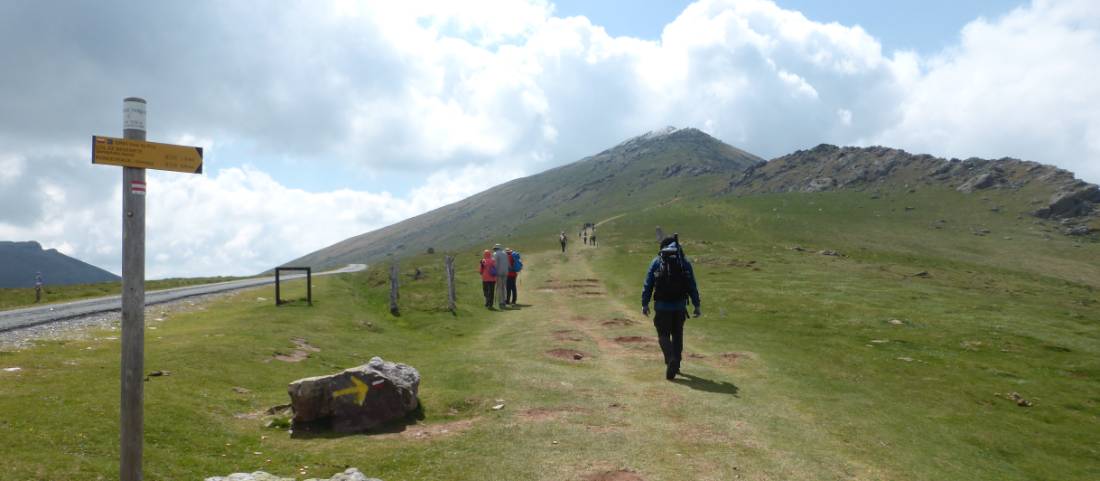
(33, 316)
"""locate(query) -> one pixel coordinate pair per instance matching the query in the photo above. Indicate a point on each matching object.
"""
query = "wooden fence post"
(449, 266)
(393, 288)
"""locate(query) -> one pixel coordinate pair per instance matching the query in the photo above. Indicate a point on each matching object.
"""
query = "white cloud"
(1024, 85)
(466, 95)
(11, 167)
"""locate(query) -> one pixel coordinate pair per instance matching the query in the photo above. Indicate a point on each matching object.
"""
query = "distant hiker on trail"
(592, 240)
(670, 281)
(515, 264)
(584, 236)
(500, 258)
(37, 287)
(488, 277)
(563, 239)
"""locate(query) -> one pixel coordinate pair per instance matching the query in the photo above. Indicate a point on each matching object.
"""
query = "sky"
(324, 120)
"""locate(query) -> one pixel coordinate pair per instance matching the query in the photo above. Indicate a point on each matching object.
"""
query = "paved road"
(32, 316)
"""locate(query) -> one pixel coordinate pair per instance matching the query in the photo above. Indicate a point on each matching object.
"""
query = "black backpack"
(671, 280)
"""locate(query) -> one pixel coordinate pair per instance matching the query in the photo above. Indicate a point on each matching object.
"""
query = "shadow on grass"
(707, 385)
(322, 429)
(519, 306)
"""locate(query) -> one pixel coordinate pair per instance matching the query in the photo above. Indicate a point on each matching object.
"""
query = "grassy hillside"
(795, 370)
(645, 170)
(23, 260)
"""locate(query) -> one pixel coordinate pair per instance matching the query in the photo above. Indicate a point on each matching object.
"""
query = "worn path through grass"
(599, 397)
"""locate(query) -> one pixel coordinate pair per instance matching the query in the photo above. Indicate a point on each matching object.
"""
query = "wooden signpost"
(135, 155)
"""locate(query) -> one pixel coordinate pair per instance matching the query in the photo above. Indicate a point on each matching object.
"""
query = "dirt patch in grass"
(547, 414)
(580, 284)
(567, 335)
(732, 358)
(431, 431)
(618, 322)
(695, 355)
(299, 354)
(634, 340)
(567, 354)
(617, 475)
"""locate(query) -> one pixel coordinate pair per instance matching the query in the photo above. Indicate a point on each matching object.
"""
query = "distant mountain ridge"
(671, 163)
(22, 260)
(1056, 193)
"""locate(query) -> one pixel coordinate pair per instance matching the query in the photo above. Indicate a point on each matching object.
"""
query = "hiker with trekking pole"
(670, 282)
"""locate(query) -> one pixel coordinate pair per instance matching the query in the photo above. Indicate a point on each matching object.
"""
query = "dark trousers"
(563, 247)
(510, 291)
(670, 334)
(488, 288)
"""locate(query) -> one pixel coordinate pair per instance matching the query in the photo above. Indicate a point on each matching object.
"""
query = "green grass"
(811, 394)
(11, 298)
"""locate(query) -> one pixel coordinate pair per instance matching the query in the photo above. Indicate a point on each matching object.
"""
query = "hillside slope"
(1050, 192)
(21, 260)
(643, 170)
(651, 170)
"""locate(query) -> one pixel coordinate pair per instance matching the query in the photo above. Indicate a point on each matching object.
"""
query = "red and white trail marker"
(137, 187)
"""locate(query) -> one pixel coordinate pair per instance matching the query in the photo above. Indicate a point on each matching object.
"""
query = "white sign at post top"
(133, 114)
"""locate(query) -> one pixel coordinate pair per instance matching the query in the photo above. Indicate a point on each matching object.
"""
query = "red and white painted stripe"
(137, 187)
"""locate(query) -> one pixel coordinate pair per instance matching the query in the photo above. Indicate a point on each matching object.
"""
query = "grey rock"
(1078, 230)
(256, 476)
(979, 182)
(1073, 202)
(351, 474)
(357, 399)
(820, 184)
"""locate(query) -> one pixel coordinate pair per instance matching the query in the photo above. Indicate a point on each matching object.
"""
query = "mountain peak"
(666, 133)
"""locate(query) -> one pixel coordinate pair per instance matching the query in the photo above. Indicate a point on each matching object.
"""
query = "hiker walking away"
(488, 272)
(515, 264)
(592, 240)
(670, 281)
(563, 239)
(500, 258)
(584, 235)
(37, 287)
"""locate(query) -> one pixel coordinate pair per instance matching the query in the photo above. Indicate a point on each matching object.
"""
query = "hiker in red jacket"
(488, 272)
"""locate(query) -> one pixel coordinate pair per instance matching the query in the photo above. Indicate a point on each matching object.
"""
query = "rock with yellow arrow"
(355, 400)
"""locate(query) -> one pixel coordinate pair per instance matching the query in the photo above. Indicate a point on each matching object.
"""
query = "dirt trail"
(592, 367)
(576, 313)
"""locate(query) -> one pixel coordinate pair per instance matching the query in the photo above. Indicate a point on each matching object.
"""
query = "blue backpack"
(517, 264)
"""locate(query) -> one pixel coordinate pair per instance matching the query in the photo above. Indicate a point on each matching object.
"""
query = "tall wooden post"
(133, 300)
(449, 266)
(394, 284)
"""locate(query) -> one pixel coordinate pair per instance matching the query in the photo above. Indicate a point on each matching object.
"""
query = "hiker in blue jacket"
(670, 282)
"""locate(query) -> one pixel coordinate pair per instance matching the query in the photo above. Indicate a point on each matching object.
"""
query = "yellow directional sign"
(146, 155)
(359, 390)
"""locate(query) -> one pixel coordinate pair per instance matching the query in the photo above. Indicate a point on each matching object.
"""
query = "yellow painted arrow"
(359, 390)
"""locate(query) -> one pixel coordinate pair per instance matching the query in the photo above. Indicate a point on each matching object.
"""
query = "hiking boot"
(670, 372)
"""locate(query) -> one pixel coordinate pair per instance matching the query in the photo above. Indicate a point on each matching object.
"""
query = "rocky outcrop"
(1074, 201)
(358, 399)
(828, 168)
(351, 474)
